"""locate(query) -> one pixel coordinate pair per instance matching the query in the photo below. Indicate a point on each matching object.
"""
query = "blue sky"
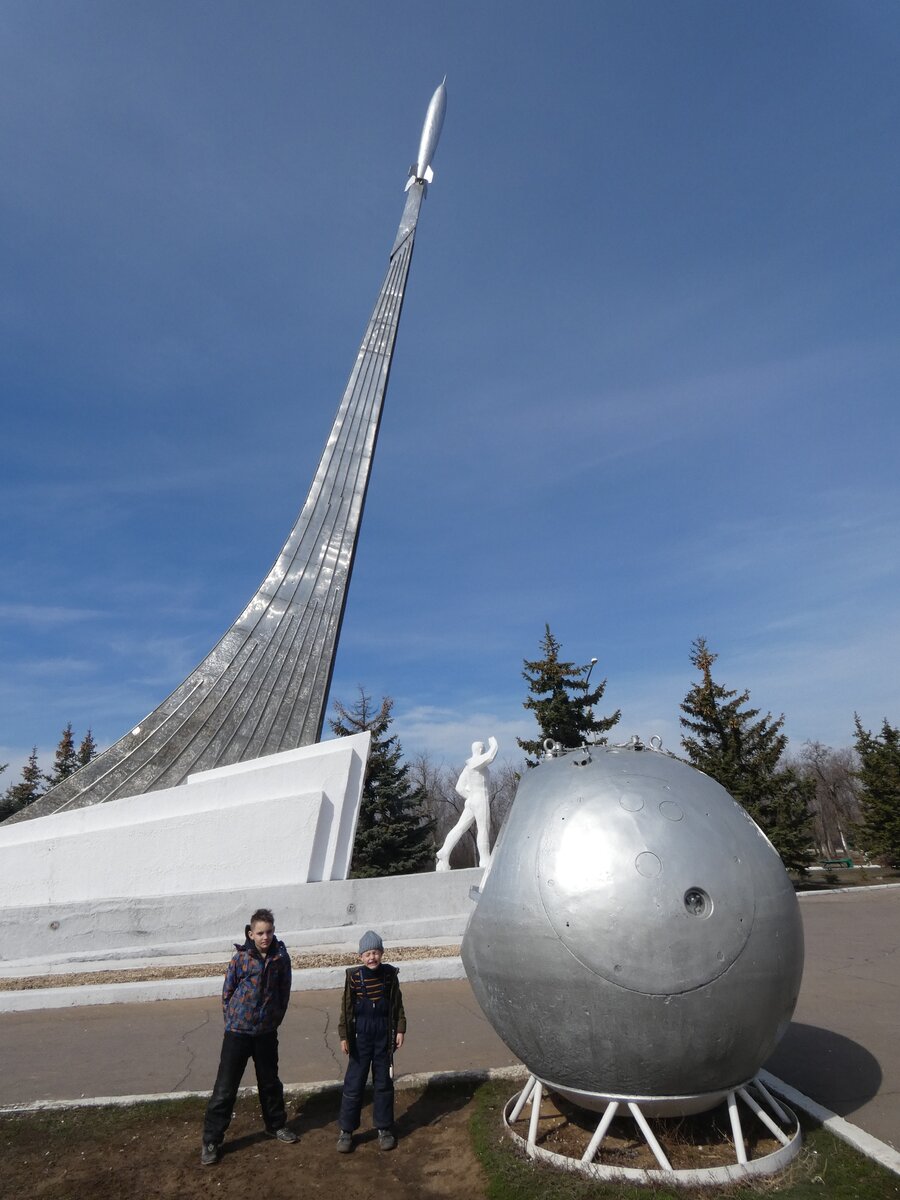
(645, 386)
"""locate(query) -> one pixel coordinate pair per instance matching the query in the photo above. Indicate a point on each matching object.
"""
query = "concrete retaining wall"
(401, 908)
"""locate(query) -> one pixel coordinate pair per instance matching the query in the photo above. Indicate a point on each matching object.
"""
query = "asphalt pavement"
(843, 1046)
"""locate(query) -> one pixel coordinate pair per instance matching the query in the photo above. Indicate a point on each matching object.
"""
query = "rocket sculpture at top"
(264, 686)
(420, 171)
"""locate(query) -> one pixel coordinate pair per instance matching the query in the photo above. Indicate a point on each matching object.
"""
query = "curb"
(313, 979)
(417, 1080)
(864, 1142)
(836, 891)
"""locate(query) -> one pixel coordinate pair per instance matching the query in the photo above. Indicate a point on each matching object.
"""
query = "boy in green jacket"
(372, 1025)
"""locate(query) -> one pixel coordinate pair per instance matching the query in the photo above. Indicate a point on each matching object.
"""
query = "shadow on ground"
(833, 1070)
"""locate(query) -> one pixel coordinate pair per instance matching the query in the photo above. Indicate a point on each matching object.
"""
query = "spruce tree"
(742, 751)
(87, 750)
(394, 833)
(561, 702)
(66, 758)
(29, 788)
(879, 774)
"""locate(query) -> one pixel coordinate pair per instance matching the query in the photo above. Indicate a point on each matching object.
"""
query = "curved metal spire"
(264, 686)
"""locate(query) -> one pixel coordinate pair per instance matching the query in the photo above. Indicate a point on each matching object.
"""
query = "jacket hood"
(250, 947)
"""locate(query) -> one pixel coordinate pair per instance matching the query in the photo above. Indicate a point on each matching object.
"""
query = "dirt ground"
(154, 1152)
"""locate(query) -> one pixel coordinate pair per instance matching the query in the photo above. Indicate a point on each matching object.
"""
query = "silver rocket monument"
(264, 686)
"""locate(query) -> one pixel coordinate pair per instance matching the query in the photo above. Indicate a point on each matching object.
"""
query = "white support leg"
(771, 1101)
(606, 1120)
(736, 1131)
(645, 1129)
(764, 1117)
(536, 1095)
(522, 1099)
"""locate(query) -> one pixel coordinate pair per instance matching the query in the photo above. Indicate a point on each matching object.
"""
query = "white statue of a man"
(472, 785)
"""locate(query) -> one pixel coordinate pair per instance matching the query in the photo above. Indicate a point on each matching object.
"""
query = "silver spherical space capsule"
(637, 935)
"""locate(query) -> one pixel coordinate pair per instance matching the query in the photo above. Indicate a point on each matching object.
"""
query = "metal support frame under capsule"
(742, 1168)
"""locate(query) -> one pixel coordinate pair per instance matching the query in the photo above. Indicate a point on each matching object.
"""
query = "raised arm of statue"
(482, 758)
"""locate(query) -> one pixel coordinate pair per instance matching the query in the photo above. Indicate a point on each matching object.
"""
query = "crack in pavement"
(473, 1012)
(192, 1054)
(324, 1012)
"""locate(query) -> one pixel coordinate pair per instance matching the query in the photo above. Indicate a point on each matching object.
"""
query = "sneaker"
(209, 1154)
(283, 1135)
(386, 1139)
(344, 1142)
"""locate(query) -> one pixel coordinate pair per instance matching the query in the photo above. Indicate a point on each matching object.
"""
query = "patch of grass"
(829, 1167)
(89, 1125)
(826, 1169)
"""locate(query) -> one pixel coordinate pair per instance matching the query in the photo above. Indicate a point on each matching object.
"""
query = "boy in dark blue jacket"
(254, 999)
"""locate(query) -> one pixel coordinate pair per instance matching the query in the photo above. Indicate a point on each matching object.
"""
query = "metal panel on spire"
(263, 688)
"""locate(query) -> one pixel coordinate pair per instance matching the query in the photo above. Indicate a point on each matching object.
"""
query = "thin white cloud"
(448, 734)
(46, 614)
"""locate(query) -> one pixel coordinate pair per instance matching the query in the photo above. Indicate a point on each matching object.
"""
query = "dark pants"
(369, 1048)
(237, 1050)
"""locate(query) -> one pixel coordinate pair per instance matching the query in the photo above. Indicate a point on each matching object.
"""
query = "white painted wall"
(334, 768)
(277, 822)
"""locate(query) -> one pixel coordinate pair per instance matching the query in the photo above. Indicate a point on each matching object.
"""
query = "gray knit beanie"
(370, 941)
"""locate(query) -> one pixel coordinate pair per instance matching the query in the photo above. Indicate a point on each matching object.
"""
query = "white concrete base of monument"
(182, 864)
(409, 908)
(429, 909)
